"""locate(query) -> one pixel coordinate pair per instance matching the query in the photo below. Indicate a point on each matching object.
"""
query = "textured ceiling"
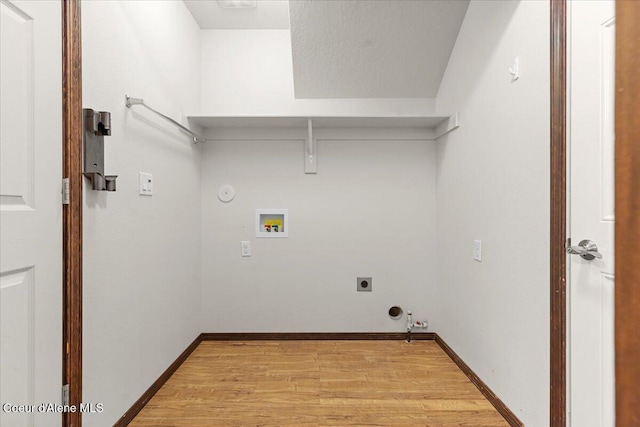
(373, 48)
(267, 15)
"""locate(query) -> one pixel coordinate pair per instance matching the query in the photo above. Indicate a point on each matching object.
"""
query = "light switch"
(477, 250)
(245, 248)
(146, 184)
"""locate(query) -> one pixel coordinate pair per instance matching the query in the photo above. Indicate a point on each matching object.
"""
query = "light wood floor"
(318, 383)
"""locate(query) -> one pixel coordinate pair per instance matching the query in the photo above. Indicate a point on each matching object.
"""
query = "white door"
(591, 140)
(30, 210)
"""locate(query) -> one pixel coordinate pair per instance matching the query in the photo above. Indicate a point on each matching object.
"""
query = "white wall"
(246, 72)
(493, 185)
(152, 283)
(141, 254)
(368, 212)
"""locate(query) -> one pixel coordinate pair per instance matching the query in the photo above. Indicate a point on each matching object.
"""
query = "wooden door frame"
(558, 211)
(72, 213)
(627, 205)
(627, 166)
(627, 202)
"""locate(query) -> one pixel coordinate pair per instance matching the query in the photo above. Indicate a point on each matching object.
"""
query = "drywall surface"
(141, 253)
(368, 212)
(247, 72)
(372, 49)
(272, 14)
(493, 185)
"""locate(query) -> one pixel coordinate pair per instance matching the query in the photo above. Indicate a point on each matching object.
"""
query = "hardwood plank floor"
(318, 383)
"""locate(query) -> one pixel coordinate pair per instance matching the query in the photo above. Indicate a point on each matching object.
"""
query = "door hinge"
(65, 191)
(65, 394)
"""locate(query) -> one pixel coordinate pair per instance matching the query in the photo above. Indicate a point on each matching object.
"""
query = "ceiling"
(267, 15)
(354, 48)
(372, 49)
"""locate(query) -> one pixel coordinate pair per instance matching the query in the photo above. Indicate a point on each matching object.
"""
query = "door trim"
(558, 209)
(627, 225)
(72, 213)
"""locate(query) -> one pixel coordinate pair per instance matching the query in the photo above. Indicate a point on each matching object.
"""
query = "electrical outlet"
(146, 184)
(477, 250)
(364, 284)
(245, 248)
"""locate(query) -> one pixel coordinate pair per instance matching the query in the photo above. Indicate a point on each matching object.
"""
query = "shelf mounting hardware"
(310, 160)
(129, 102)
(447, 126)
(514, 70)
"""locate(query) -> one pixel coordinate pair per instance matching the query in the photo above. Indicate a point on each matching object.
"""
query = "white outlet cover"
(226, 193)
(245, 248)
(477, 250)
(146, 184)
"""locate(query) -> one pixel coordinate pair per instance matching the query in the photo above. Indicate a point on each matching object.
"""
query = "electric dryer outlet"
(364, 284)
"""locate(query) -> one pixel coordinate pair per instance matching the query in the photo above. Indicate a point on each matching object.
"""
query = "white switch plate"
(146, 184)
(245, 248)
(477, 250)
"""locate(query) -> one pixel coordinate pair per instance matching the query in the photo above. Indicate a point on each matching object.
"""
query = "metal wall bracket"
(310, 160)
(97, 125)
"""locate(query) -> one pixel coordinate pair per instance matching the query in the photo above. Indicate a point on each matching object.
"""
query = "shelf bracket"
(447, 126)
(310, 160)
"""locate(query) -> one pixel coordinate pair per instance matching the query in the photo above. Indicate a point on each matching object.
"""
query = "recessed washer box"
(272, 223)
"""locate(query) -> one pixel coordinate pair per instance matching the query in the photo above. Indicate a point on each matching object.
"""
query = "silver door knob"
(586, 249)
